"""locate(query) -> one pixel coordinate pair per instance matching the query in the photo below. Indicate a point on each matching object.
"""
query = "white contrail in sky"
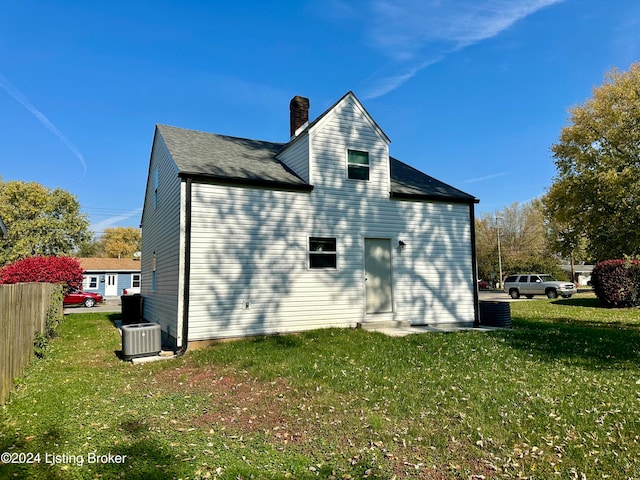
(110, 222)
(415, 34)
(486, 177)
(20, 98)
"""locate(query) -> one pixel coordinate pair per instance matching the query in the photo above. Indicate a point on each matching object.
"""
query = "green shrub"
(40, 343)
(54, 313)
(52, 322)
(617, 282)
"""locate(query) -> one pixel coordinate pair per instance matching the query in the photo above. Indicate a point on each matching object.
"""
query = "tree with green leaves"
(119, 242)
(523, 240)
(39, 221)
(487, 248)
(595, 196)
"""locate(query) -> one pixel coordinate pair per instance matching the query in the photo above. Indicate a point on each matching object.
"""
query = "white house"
(246, 237)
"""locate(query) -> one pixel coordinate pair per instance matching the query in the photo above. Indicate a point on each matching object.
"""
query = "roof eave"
(246, 182)
(433, 198)
(111, 270)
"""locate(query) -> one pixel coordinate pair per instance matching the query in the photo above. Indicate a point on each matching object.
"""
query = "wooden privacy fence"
(23, 312)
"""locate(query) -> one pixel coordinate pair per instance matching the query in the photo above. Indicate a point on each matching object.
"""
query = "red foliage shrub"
(617, 282)
(63, 270)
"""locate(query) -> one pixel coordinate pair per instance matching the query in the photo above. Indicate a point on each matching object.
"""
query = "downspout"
(187, 270)
(474, 261)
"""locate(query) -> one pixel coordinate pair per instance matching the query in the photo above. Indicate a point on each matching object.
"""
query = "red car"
(88, 299)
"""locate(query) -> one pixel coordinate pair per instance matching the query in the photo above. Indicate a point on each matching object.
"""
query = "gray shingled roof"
(231, 159)
(407, 182)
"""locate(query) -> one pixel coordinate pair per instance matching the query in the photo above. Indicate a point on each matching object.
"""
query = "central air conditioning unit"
(141, 340)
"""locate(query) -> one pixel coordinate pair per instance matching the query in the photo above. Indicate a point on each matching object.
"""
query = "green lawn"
(558, 396)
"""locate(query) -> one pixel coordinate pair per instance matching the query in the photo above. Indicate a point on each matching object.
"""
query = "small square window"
(358, 165)
(322, 252)
(135, 280)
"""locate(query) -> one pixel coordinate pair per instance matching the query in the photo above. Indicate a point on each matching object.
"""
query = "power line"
(108, 212)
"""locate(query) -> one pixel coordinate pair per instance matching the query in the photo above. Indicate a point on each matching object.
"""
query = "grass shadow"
(138, 456)
(114, 316)
(590, 302)
(144, 459)
(594, 345)
(279, 341)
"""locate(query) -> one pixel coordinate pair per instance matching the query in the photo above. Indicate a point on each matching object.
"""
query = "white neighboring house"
(248, 237)
(582, 273)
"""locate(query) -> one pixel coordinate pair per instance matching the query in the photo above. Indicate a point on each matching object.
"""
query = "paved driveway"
(110, 305)
(495, 295)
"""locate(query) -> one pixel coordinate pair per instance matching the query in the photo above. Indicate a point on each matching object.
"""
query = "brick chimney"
(299, 113)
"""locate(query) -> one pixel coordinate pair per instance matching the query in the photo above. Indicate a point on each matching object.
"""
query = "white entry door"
(111, 285)
(377, 267)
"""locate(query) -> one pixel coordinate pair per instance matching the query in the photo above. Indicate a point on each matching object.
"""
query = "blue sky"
(472, 92)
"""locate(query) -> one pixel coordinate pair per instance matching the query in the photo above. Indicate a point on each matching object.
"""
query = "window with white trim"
(323, 253)
(90, 282)
(357, 165)
(135, 280)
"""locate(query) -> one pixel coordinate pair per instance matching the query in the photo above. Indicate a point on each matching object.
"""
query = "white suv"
(537, 284)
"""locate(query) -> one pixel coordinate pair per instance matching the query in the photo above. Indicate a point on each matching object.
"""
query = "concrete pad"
(153, 358)
(401, 331)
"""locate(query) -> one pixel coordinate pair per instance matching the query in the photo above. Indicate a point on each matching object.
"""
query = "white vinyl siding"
(249, 248)
(161, 242)
(348, 128)
(155, 188)
(249, 270)
(296, 157)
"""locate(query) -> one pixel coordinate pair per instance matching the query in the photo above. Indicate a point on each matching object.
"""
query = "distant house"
(109, 276)
(582, 273)
(246, 237)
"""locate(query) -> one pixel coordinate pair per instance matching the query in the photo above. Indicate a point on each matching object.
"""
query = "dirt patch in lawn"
(238, 404)
(241, 406)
